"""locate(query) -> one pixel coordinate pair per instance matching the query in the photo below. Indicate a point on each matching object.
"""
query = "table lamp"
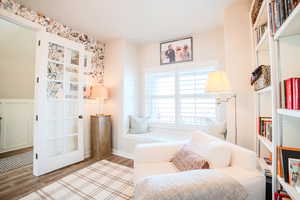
(218, 83)
(100, 93)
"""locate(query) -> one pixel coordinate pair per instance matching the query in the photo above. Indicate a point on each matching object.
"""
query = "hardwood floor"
(20, 182)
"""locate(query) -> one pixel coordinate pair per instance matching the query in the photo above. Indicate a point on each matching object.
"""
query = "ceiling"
(137, 20)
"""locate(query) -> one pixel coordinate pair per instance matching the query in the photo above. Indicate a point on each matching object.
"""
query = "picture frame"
(286, 154)
(176, 51)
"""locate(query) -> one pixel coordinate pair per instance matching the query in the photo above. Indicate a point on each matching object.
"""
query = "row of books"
(279, 12)
(281, 195)
(268, 161)
(260, 32)
(265, 127)
(290, 94)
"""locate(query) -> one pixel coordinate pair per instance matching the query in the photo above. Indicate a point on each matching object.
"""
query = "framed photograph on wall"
(176, 51)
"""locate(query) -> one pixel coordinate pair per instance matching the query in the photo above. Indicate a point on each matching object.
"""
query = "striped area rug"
(102, 180)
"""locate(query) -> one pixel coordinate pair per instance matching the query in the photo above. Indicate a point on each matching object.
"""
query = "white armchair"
(154, 159)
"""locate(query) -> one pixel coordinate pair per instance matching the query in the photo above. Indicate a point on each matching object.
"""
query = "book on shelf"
(265, 127)
(290, 94)
(279, 11)
(260, 31)
(282, 94)
(281, 195)
(268, 161)
(296, 93)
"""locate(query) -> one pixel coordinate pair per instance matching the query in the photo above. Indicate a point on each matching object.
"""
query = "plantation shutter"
(179, 98)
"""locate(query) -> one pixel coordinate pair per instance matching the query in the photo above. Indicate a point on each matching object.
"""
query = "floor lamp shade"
(217, 83)
(99, 92)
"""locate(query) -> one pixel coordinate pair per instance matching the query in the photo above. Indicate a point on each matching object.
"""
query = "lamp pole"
(226, 100)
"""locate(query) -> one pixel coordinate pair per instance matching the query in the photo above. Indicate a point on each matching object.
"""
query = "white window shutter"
(178, 98)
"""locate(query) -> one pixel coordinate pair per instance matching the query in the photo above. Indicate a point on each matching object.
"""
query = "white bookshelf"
(289, 189)
(267, 143)
(265, 90)
(290, 113)
(291, 26)
(283, 50)
(263, 53)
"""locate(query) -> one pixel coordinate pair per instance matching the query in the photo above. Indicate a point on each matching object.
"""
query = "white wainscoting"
(16, 124)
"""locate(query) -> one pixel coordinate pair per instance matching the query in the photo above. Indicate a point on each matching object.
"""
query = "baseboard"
(87, 155)
(122, 154)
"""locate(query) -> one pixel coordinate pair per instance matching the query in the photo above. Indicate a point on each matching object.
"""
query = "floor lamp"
(218, 84)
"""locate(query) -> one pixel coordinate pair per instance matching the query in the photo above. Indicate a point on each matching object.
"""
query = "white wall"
(121, 77)
(228, 48)
(208, 48)
(238, 66)
(17, 61)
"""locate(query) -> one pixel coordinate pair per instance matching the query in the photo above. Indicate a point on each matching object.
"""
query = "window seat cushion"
(161, 135)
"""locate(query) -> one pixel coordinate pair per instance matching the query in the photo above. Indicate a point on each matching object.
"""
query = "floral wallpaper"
(52, 26)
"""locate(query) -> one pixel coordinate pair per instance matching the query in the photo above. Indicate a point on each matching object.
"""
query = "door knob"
(80, 117)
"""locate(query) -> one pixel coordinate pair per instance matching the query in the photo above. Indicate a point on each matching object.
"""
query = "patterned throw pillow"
(186, 159)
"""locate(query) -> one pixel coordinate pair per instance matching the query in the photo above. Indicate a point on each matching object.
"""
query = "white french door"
(58, 139)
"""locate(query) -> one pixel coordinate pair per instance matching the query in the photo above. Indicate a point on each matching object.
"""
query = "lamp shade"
(217, 83)
(99, 92)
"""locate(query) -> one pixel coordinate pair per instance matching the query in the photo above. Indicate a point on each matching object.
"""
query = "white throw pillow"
(213, 149)
(219, 154)
(139, 125)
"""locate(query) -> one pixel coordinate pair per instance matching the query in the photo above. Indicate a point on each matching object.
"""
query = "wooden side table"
(101, 136)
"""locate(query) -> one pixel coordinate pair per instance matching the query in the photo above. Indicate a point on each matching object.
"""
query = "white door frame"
(18, 20)
(15, 19)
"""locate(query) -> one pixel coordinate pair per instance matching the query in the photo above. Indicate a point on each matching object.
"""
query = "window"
(178, 98)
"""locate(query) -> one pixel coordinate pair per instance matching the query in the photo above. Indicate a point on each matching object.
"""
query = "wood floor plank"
(20, 182)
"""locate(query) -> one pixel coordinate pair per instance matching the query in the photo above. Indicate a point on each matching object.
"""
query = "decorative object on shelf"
(261, 77)
(290, 94)
(280, 10)
(218, 83)
(287, 153)
(100, 93)
(265, 127)
(255, 11)
(176, 51)
(101, 136)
